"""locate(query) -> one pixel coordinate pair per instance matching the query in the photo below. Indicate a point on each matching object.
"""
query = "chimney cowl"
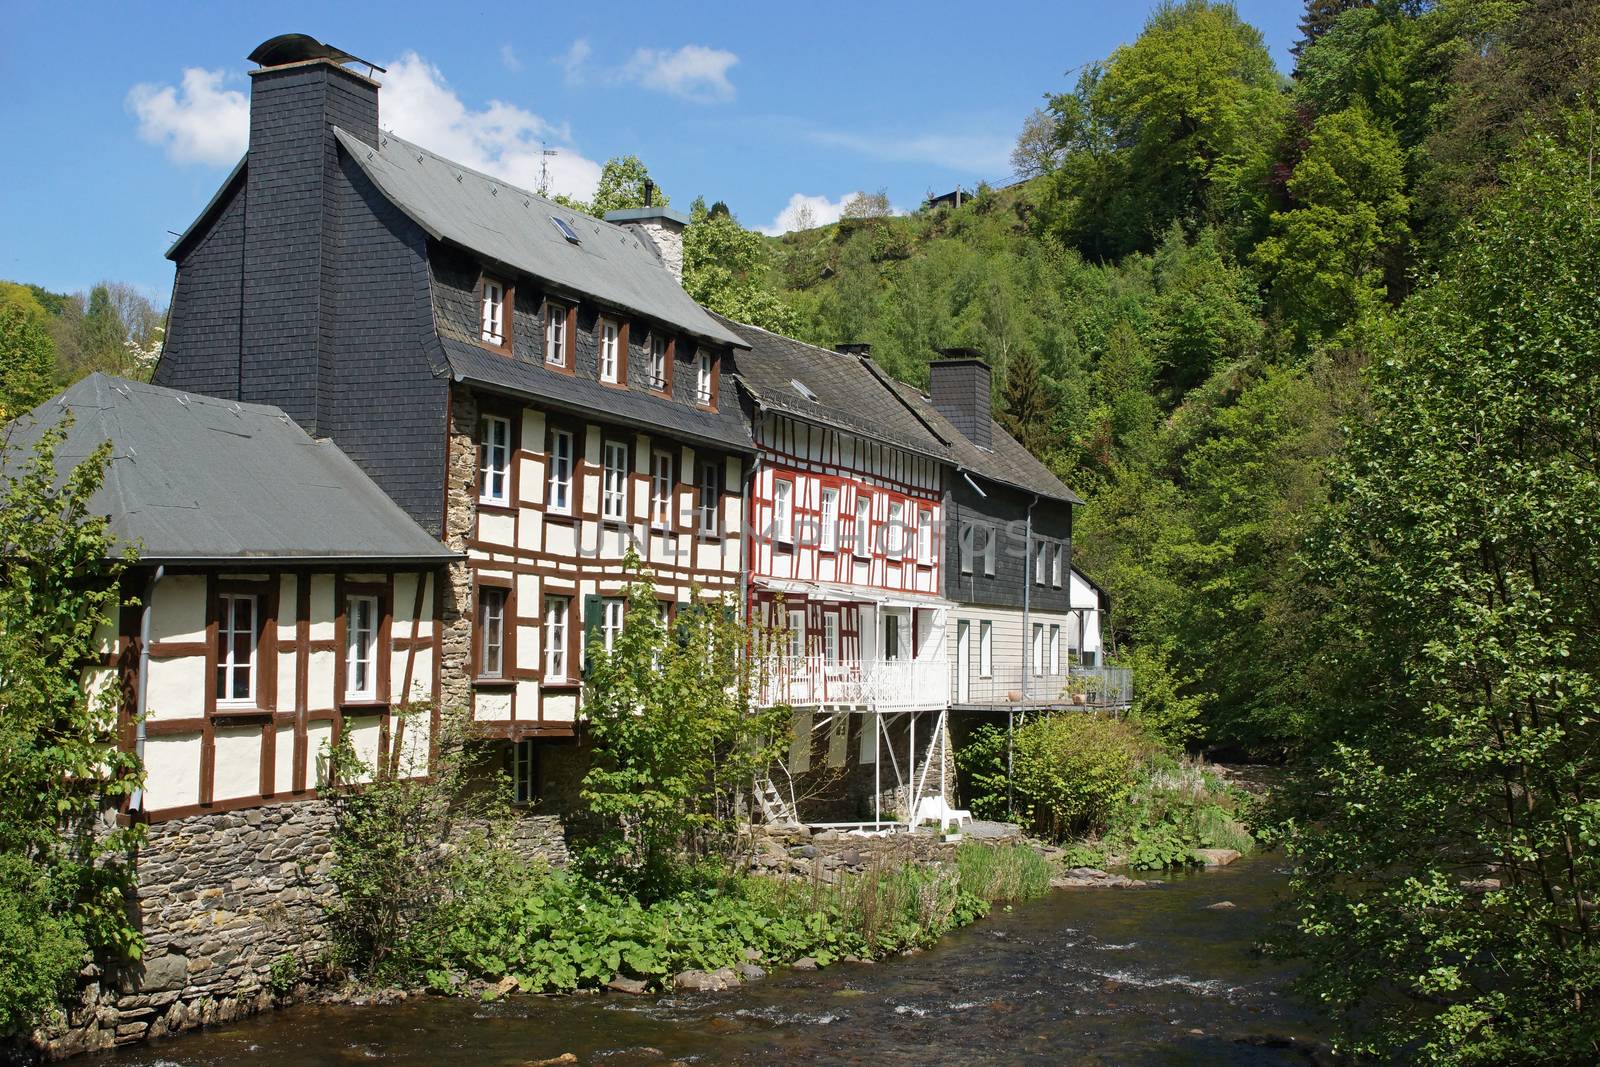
(289, 48)
(854, 348)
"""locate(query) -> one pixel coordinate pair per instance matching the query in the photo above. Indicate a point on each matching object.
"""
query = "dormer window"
(658, 362)
(705, 370)
(494, 312)
(610, 352)
(555, 335)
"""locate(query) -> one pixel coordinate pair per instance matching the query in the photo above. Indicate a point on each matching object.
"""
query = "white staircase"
(775, 809)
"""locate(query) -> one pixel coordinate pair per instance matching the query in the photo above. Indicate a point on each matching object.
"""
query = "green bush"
(1071, 771)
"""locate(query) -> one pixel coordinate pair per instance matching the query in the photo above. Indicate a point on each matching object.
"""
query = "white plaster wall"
(320, 680)
(237, 770)
(363, 732)
(176, 688)
(497, 528)
(322, 612)
(414, 742)
(283, 764)
(319, 737)
(491, 705)
(171, 771)
(560, 707)
(405, 598)
(561, 538)
(178, 609)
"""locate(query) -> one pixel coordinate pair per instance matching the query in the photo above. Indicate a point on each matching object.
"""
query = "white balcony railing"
(906, 684)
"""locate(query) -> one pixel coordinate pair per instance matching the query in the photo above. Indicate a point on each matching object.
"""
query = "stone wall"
(224, 898)
(460, 486)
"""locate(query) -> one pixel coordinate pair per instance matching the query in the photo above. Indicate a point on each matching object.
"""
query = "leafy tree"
(1038, 148)
(868, 206)
(1320, 17)
(621, 186)
(1326, 257)
(1026, 409)
(1447, 845)
(678, 736)
(725, 268)
(27, 355)
(63, 874)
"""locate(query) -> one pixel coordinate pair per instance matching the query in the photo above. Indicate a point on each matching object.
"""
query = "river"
(1086, 976)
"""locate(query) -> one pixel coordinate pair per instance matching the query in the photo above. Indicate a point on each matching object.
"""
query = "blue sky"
(121, 119)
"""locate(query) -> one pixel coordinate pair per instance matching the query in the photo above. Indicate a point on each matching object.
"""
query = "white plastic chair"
(935, 809)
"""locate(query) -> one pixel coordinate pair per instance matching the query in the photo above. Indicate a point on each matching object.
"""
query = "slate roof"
(194, 479)
(851, 394)
(725, 427)
(503, 223)
(1007, 462)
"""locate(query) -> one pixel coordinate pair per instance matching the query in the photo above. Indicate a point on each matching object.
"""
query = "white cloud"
(500, 139)
(509, 58)
(980, 153)
(197, 122)
(803, 212)
(693, 72)
(201, 122)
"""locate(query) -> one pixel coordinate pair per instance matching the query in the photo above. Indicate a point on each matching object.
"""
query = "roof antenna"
(544, 168)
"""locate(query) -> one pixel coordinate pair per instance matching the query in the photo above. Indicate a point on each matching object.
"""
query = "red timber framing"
(283, 698)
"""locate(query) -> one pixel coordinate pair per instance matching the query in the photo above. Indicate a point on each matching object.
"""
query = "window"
(828, 537)
(614, 482)
(985, 649)
(560, 460)
(1055, 565)
(797, 634)
(491, 631)
(863, 545)
(555, 638)
(661, 490)
(710, 496)
(968, 532)
(991, 538)
(1041, 563)
(361, 647)
(524, 772)
(494, 460)
(611, 612)
(1038, 648)
(1055, 649)
(783, 510)
(494, 312)
(555, 335)
(895, 546)
(566, 228)
(830, 638)
(236, 648)
(610, 347)
(925, 536)
(704, 373)
(658, 362)
(891, 637)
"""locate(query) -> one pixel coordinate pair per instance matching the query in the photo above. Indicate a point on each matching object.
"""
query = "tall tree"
(622, 184)
(725, 268)
(1319, 17)
(1027, 410)
(1447, 845)
(27, 355)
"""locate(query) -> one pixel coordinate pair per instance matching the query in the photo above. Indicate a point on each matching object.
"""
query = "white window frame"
(493, 312)
(555, 334)
(925, 536)
(985, 648)
(796, 634)
(991, 540)
(228, 666)
(610, 350)
(1055, 565)
(968, 535)
(1038, 650)
(613, 616)
(661, 489)
(704, 364)
(710, 498)
(1041, 563)
(557, 610)
(828, 536)
(863, 545)
(614, 481)
(895, 546)
(361, 648)
(1055, 648)
(830, 637)
(658, 362)
(783, 509)
(494, 460)
(559, 496)
(492, 630)
(524, 765)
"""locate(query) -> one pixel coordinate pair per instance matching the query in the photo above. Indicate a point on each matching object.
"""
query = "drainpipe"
(136, 802)
(1028, 579)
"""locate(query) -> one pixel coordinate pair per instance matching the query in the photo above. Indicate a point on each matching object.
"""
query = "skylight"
(800, 387)
(565, 227)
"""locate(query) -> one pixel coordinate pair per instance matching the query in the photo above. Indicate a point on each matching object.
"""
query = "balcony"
(881, 685)
(1091, 687)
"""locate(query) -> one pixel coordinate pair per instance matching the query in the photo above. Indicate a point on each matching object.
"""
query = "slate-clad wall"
(201, 350)
(1007, 509)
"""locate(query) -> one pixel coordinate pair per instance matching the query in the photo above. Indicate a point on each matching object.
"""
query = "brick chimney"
(958, 385)
(660, 228)
(301, 91)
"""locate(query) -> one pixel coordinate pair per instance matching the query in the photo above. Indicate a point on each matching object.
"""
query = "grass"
(1009, 872)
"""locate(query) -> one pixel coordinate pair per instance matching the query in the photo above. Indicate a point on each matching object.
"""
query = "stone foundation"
(232, 907)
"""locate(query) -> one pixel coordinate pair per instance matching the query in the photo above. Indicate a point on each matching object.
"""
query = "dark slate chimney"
(301, 91)
(958, 385)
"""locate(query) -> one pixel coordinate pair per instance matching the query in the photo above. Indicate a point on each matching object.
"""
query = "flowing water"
(1086, 976)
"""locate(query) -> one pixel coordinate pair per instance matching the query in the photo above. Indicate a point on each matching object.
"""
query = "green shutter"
(591, 625)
